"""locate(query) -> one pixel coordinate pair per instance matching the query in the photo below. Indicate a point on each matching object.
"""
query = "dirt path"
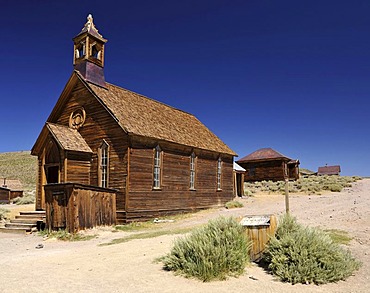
(128, 267)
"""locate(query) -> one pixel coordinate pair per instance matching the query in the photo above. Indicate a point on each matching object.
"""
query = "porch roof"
(69, 139)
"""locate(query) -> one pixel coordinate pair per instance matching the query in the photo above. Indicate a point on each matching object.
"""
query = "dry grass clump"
(310, 185)
(64, 235)
(4, 213)
(299, 254)
(26, 199)
(233, 204)
(213, 252)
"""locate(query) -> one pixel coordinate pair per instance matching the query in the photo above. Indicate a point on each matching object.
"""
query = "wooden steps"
(25, 222)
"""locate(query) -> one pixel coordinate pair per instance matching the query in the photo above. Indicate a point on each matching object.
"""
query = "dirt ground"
(128, 267)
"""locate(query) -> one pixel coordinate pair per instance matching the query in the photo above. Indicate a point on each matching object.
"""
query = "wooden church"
(107, 155)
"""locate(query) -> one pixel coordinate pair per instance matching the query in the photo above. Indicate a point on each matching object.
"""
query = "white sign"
(255, 220)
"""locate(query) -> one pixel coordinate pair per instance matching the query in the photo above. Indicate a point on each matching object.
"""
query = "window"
(103, 165)
(192, 171)
(157, 168)
(219, 173)
(95, 51)
(80, 50)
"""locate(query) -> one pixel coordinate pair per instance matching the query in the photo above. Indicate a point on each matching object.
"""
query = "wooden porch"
(75, 207)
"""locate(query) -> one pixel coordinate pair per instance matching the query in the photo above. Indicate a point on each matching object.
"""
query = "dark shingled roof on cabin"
(143, 116)
(329, 170)
(263, 154)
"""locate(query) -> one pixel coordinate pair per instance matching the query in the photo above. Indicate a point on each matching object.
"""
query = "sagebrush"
(311, 185)
(4, 213)
(26, 199)
(299, 254)
(233, 204)
(214, 251)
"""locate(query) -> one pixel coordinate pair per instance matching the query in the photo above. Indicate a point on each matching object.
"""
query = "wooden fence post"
(287, 196)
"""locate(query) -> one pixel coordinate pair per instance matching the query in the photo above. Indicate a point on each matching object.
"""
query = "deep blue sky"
(291, 75)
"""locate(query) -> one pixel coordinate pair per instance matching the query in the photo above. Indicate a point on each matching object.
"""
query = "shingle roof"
(11, 184)
(68, 138)
(329, 170)
(142, 116)
(263, 154)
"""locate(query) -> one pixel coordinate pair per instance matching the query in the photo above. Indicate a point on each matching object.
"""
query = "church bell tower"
(88, 56)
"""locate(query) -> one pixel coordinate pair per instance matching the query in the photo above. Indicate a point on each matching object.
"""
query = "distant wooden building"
(329, 170)
(154, 159)
(305, 173)
(10, 189)
(268, 164)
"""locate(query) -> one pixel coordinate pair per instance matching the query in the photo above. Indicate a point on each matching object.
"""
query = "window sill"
(219, 189)
(156, 188)
(192, 189)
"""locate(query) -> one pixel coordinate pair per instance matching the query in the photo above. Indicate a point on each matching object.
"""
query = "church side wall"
(175, 195)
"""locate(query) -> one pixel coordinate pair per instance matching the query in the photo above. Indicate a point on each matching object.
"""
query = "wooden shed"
(10, 189)
(268, 164)
(238, 180)
(329, 170)
(158, 159)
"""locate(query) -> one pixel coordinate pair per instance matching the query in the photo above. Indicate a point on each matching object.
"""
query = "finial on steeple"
(90, 28)
(89, 53)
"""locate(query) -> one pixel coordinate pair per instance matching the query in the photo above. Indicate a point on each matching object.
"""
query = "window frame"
(219, 174)
(157, 168)
(103, 167)
(193, 162)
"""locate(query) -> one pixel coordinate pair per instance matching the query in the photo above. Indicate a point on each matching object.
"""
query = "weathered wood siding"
(4, 195)
(175, 195)
(15, 193)
(99, 126)
(7, 195)
(78, 171)
(39, 185)
(76, 207)
(293, 172)
(267, 170)
(260, 235)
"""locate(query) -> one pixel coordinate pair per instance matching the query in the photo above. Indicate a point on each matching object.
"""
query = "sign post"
(287, 196)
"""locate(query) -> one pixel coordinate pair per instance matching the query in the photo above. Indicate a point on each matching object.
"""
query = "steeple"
(88, 56)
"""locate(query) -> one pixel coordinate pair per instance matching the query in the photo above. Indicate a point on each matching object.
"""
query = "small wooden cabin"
(329, 170)
(268, 164)
(10, 189)
(158, 160)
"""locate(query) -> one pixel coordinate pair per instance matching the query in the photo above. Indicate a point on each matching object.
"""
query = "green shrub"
(335, 187)
(233, 204)
(3, 213)
(311, 185)
(215, 251)
(27, 199)
(305, 255)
